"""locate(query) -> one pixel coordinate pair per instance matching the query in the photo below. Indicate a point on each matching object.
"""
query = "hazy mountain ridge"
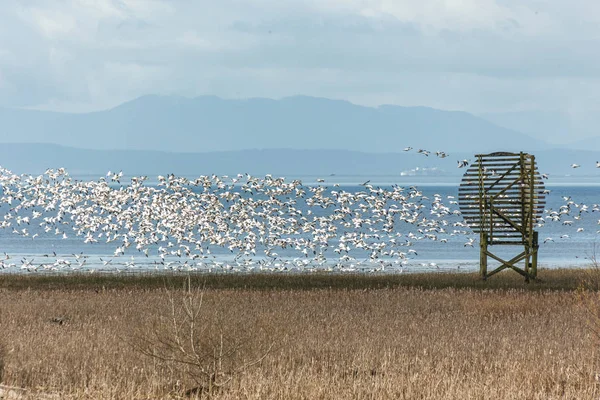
(36, 158)
(209, 123)
(552, 126)
(293, 136)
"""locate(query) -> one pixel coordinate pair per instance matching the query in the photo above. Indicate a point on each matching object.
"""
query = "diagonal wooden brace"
(508, 264)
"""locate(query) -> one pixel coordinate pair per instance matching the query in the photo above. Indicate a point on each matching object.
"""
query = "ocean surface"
(23, 254)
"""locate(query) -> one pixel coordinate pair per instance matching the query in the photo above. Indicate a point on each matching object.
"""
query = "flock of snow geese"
(261, 224)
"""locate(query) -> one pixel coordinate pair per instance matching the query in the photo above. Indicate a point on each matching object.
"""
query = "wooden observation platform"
(501, 196)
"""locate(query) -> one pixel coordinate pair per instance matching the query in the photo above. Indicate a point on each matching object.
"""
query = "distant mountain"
(551, 126)
(555, 127)
(36, 158)
(592, 143)
(206, 124)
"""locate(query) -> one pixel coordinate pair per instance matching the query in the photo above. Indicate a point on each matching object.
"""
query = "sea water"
(578, 249)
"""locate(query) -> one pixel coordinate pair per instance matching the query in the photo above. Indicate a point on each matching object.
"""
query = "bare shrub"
(188, 339)
(591, 278)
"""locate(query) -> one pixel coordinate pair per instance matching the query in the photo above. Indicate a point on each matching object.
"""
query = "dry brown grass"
(369, 342)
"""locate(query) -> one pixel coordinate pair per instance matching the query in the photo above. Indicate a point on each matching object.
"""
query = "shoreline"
(568, 279)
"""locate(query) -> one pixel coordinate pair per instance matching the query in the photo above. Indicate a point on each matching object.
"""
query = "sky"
(478, 56)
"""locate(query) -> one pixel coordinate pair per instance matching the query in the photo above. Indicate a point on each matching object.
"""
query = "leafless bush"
(188, 339)
(591, 280)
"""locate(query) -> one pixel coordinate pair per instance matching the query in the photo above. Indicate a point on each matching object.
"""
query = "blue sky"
(473, 55)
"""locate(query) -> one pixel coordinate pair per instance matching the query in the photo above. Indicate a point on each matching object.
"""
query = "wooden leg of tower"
(534, 256)
(527, 258)
(483, 255)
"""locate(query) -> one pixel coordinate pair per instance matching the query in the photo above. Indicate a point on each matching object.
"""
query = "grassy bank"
(550, 279)
(413, 336)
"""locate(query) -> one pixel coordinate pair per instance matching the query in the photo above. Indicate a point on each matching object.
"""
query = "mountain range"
(82, 163)
(293, 136)
(208, 123)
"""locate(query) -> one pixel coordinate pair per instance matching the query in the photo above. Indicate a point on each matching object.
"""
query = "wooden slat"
(499, 154)
(510, 192)
(498, 179)
(500, 163)
(471, 179)
(511, 200)
(505, 238)
(496, 220)
(497, 229)
(505, 195)
(474, 188)
(508, 203)
(503, 228)
(502, 201)
(499, 201)
(475, 182)
(497, 223)
(477, 222)
(473, 215)
(499, 232)
(504, 204)
(514, 214)
(505, 159)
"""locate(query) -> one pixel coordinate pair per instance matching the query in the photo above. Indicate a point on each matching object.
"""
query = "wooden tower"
(501, 196)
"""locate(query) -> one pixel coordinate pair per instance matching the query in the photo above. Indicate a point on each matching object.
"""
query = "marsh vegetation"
(430, 336)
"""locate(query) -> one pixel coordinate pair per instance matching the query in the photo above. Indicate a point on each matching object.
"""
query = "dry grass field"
(429, 336)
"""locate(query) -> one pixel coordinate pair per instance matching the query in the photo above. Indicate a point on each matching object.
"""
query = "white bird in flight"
(138, 216)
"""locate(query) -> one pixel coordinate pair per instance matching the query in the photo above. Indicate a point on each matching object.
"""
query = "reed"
(430, 336)
(549, 279)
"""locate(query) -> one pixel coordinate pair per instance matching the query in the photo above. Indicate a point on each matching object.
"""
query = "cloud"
(476, 55)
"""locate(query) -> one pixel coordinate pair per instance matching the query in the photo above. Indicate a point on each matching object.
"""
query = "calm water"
(431, 255)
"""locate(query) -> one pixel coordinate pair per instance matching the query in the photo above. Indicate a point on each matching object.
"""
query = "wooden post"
(483, 239)
(534, 256)
(483, 234)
